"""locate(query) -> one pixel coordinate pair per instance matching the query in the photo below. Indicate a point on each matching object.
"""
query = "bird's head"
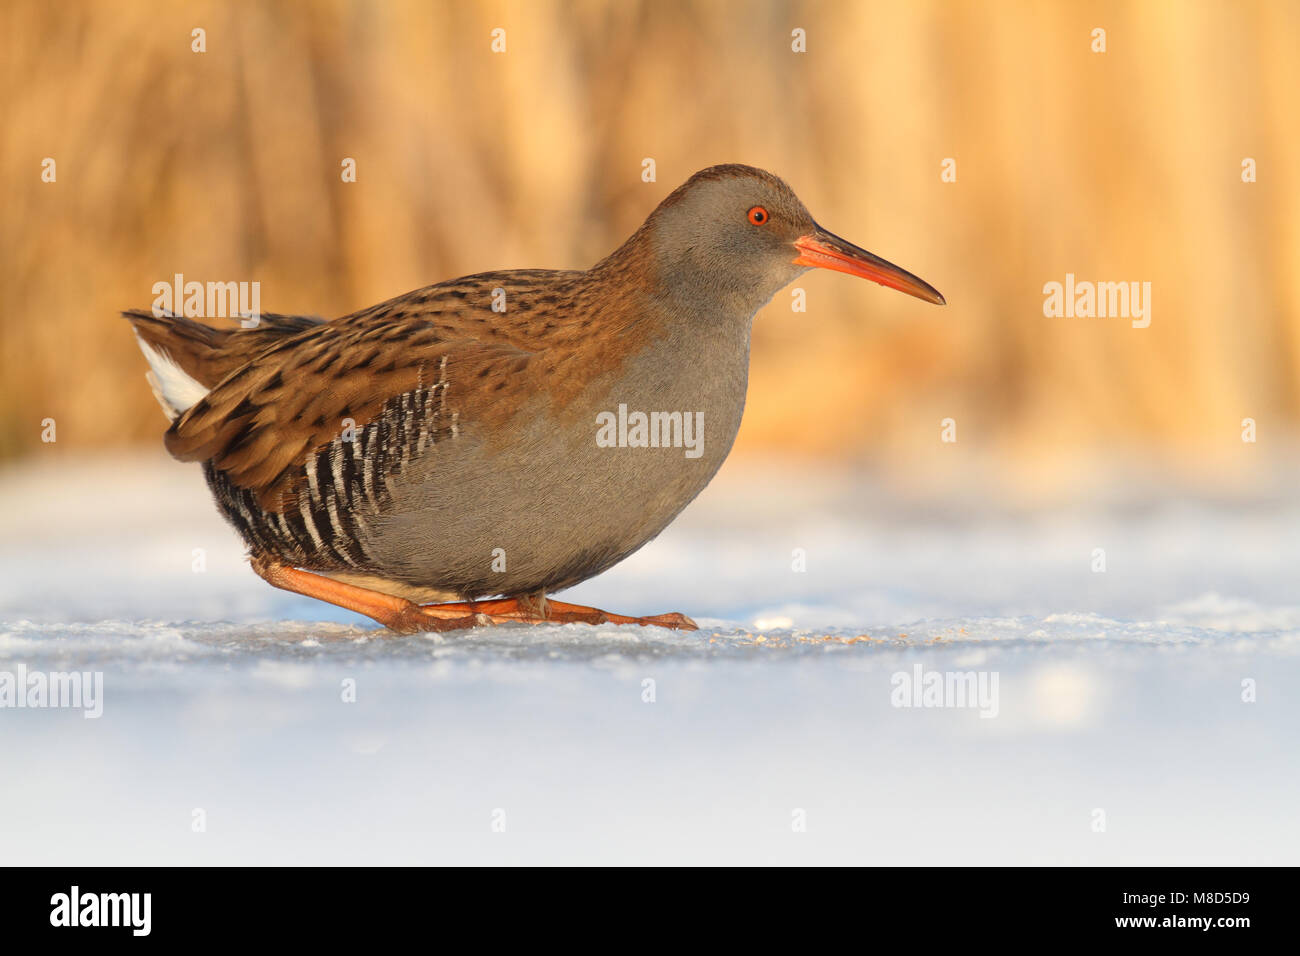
(741, 234)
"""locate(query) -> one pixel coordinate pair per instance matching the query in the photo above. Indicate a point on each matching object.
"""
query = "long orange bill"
(825, 250)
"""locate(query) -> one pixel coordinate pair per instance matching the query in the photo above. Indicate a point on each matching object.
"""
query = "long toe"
(678, 622)
(418, 620)
(454, 616)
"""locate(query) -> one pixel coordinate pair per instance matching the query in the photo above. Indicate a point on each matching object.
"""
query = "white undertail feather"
(175, 390)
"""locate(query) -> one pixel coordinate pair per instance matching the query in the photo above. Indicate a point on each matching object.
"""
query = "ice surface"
(1118, 691)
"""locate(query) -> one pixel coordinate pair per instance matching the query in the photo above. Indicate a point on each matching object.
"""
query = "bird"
(453, 456)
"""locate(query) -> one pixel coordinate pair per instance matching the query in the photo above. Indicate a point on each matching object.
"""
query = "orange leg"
(407, 617)
(396, 614)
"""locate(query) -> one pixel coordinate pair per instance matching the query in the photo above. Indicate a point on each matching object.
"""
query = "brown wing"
(209, 354)
(257, 425)
(465, 306)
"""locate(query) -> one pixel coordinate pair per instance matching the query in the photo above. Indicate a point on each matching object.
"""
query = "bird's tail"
(186, 358)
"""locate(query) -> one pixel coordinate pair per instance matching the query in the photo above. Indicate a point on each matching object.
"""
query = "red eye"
(758, 215)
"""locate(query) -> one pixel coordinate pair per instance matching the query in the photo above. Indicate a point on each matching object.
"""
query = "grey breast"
(558, 502)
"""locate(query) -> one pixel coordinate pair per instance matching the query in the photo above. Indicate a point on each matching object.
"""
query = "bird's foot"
(422, 618)
(539, 611)
(577, 613)
(404, 617)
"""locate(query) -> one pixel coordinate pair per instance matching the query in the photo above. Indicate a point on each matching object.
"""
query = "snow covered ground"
(242, 724)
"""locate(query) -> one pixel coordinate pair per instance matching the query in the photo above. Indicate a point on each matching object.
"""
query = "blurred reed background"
(1120, 166)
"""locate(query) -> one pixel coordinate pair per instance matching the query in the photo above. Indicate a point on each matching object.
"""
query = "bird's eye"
(758, 215)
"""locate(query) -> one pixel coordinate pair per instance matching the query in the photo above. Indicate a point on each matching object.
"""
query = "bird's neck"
(705, 302)
(683, 342)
